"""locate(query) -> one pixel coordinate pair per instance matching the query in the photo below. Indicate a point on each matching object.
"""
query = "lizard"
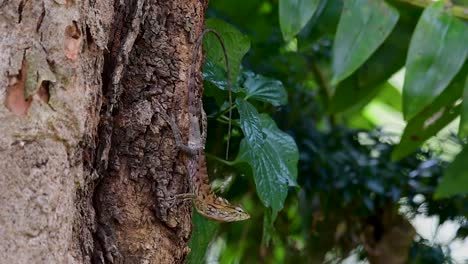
(206, 202)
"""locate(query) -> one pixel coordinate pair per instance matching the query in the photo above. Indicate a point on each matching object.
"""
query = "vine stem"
(226, 162)
(228, 76)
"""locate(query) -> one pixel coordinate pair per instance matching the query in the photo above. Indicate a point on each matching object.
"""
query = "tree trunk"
(87, 163)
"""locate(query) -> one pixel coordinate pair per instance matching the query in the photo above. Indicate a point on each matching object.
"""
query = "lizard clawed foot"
(106, 250)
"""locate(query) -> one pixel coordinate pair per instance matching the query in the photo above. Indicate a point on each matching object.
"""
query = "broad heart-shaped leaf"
(294, 15)
(437, 51)
(217, 75)
(363, 26)
(264, 89)
(203, 232)
(463, 130)
(455, 180)
(271, 153)
(236, 43)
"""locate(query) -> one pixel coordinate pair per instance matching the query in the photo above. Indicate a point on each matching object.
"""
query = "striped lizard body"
(205, 200)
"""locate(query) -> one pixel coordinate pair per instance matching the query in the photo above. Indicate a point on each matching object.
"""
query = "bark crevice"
(135, 220)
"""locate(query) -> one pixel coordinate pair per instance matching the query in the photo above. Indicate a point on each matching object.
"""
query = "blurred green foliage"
(354, 185)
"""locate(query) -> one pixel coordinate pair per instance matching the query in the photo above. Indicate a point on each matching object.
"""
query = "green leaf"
(203, 232)
(326, 20)
(255, 16)
(463, 130)
(216, 75)
(349, 93)
(422, 127)
(433, 118)
(264, 89)
(365, 83)
(236, 43)
(363, 27)
(455, 180)
(429, 121)
(250, 124)
(294, 14)
(271, 153)
(437, 51)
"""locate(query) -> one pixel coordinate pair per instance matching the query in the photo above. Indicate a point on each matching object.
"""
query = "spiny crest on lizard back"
(220, 210)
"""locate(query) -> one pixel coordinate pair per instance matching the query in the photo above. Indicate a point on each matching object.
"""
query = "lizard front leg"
(191, 150)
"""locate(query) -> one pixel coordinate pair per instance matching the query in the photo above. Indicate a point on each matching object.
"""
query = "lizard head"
(221, 210)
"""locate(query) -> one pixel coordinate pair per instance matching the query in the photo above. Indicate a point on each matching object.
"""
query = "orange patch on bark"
(72, 41)
(15, 100)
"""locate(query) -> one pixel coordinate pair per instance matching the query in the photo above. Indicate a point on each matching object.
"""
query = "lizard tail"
(228, 77)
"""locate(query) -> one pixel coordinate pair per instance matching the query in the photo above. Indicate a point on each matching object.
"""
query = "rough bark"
(81, 183)
(136, 219)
